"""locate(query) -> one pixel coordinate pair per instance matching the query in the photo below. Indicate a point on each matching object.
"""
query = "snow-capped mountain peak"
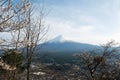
(59, 38)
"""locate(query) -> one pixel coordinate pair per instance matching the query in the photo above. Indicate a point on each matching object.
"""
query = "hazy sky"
(86, 21)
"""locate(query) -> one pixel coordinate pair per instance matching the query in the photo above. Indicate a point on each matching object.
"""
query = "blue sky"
(87, 21)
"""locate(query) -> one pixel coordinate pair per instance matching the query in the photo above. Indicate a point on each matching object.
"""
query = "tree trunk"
(28, 65)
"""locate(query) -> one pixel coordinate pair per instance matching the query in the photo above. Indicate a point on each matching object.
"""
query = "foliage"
(13, 58)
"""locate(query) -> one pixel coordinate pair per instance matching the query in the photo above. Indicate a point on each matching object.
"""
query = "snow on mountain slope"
(59, 38)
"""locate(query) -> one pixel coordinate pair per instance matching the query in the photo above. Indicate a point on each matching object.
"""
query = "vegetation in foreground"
(85, 66)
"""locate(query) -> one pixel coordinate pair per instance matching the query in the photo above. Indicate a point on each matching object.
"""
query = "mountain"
(61, 45)
(59, 38)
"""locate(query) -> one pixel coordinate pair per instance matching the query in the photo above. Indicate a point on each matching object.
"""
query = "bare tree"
(34, 32)
(95, 67)
(12, 20)
(26, 31)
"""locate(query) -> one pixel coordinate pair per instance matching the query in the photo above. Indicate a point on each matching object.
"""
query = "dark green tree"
(14, 60)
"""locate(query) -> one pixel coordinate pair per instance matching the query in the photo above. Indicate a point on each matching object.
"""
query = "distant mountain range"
(60, 45)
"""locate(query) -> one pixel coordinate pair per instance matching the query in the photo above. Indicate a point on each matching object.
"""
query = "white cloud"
(83, 34)
(115, 36)
(87, 23)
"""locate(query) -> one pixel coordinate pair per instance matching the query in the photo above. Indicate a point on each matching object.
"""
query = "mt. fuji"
(60, 44)
(59, 38)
